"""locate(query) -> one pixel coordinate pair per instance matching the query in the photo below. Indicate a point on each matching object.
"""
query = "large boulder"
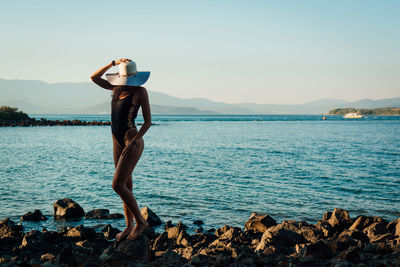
(127, 251)
(285, 235)
(259, 222)
(339, 219)
(150, 216)
(67, 208)
(35, 216)
(9, 229)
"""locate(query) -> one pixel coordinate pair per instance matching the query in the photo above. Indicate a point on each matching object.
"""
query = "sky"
(267, 52)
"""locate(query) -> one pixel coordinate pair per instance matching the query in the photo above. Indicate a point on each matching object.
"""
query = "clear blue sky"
(232, 51)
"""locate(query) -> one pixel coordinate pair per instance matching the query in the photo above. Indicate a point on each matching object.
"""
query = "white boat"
(353, 115)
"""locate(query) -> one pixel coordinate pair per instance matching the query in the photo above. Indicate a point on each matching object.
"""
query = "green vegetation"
(12, 114)
(372, 111)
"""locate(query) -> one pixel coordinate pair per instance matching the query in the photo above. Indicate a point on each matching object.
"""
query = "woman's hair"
(116, 91)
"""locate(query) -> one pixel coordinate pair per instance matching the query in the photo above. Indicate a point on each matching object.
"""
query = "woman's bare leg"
(122, 175)
(117, 150)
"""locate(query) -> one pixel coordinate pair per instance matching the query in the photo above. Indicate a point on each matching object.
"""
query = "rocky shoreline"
(44, 122)
(335, 240)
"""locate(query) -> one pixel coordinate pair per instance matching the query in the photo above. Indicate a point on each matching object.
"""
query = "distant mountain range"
(37, 97)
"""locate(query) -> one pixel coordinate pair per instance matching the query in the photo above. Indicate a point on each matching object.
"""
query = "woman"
(128, 143)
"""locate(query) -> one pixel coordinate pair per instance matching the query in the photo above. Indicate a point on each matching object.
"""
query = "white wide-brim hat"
(128, 75)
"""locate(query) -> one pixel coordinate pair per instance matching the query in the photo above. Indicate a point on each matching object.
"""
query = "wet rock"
(150, 216)
(339, 219)
(81, 232)
(198, 222)
(325, 228)
(35, 216)
(317, 250)
(67, 208)
(199, 230)
(9, 229)
(394, 227)
(116, 216)
(168, 224)
(259, 222)
(352, 254)
(98, 214)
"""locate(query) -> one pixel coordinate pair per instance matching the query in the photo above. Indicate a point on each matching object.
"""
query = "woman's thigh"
(125, 165)
(117, 150)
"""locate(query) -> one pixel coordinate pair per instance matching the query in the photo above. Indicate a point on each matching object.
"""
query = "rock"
(34, 240)
(67, 208)
(281, 235)
(9, 229)
(150, 216)
(325, 228)
(317, 250)
(162, 242)
(116, 216)
(170, 258)
(259, 222)
(198, 222)
(35, 216)
(137, 249)
(394, 227)
(355, 234)
(81, 232)
(375, 229)
(352, 254)
(199, 230)
(168, 224)
(47, 256)
(66, 256)
(339, 219)
(98, 214)
(109, 232)
(362, 222)
(311, 233)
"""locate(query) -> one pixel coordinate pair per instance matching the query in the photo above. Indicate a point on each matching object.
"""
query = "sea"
(218, 169)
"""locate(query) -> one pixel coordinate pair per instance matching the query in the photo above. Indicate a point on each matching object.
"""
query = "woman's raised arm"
(96, 77)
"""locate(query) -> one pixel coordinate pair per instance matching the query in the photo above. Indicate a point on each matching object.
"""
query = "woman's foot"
(121, 235)
(137, 230)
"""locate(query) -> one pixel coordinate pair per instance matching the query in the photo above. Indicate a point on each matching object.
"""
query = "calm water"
(215, 168)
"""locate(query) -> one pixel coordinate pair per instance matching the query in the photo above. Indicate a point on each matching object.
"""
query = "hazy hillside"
(40, 97)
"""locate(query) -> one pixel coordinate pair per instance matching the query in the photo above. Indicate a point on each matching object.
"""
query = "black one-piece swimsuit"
(123, 115)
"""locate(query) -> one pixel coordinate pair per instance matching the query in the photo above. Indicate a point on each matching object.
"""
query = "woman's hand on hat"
(119, 61)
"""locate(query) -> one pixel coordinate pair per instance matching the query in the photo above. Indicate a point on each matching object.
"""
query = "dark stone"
(281, 235)
(198, 222)
(116, 216)
(34, 240)
(199, 230)
(109, 232)
(394, 227)
(67, 208)
(98, 214)
(9, 229)
(362, 222)
(35, 216)
(352, 254)
(128, 250)
(375, 229)
(259, 222)
(150, 216)
(340, 219)
(168, 224)
(311, 233)
(170, 258)
(317, 250)
(66, 256)
(81, 232)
